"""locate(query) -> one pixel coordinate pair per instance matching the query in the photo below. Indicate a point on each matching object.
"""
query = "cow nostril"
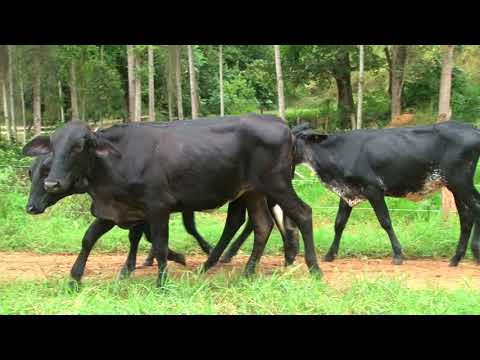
(32, 209)
(51, 185)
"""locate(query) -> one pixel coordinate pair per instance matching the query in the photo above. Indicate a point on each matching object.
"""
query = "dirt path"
(416, 273)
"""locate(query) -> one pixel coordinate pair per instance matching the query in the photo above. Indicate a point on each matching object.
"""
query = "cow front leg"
(381, 211)
(159, 236)
(237, 244)
(235, 219)
(290, 240)
(93, 233)
(343, 214)
(189, 224)
(134, 236)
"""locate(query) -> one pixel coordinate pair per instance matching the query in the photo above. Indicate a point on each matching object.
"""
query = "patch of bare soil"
(416, 273)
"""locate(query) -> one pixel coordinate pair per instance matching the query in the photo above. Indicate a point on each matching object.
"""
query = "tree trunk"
(74, 92)
(138, 88)
(342, 74)
(389, 64)
(361, 74)
(4, 62)
(5, 108)
(280, 88)
(444, 114)
(398, 61)
(178, 81)
(37, 100)
(13, 123)
(151, 84)
(60, 99)
(24, 118)
(193, 83)
(222, 103)
(170, 80)
(131, 83)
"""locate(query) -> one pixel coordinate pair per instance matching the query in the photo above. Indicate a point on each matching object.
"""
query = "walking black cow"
(39, 200)
(138, 173)
(405, 162)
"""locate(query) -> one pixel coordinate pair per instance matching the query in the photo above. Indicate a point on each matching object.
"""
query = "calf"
(411, 163)
(39, 200)
(139, 173)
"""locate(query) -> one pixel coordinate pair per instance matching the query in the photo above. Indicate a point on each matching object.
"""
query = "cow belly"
(118, 212)
(350, 195)
(432, 184)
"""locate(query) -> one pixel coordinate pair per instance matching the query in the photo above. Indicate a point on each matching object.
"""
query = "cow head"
(71, 148)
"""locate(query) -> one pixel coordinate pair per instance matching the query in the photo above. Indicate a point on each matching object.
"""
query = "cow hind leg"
(263, 225)
(189, 224)
(475, 244)
(284, 195)
(290, 240)
(235, 219)
(466, 216)
(237, 244)
(343, 214)
(381, 211)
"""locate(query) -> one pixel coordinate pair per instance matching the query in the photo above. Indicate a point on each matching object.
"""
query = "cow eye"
(45, 172)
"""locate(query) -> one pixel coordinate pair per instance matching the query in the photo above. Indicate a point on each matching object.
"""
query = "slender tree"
(398, 61)
(3, 88)
(60, 100)
(280, 86)
(222, 100)
(151, 84)
(361, 74)
(341, 71)
(22, 100)
(37, 88)
(131, 82)
(178, 80)
(138, 87)
(170, 80)
(11, 70)
(74, 91)
(193, 83)
(445, 112)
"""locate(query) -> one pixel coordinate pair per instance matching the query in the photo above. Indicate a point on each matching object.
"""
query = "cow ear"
(311, 135)
(102, 147)
(38, 146)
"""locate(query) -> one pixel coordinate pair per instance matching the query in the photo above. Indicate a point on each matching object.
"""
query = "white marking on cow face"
(433, 183)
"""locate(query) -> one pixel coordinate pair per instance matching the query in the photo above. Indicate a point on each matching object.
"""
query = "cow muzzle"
(52, 186)
(33, 210)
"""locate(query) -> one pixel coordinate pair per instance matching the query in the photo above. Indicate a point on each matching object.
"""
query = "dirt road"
(417, 273)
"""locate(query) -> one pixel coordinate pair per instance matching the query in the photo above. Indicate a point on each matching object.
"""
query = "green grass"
(275, 294)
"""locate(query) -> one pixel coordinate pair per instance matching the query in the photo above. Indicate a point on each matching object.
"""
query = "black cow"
(39, 200)
(139, 173)
(407, 163)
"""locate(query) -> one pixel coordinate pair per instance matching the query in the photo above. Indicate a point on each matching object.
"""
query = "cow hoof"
(397, 261)
(453, 263)
(226, 260)
(329, 258)
(147, 263)
(74, 285)
(180, 259)
(123, 274)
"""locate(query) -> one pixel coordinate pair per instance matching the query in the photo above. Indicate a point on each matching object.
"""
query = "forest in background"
(46, 85)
